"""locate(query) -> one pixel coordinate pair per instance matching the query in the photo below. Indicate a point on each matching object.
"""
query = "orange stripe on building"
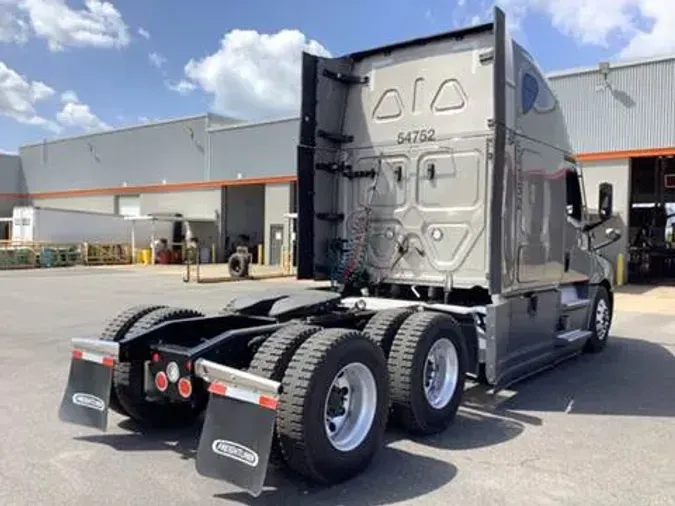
(621, 155)
(160, 188)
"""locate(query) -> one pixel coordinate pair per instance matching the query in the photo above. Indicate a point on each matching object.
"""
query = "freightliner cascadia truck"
(439, 198)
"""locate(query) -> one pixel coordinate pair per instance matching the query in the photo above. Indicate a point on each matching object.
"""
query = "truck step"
(575, 305)
(572, 336)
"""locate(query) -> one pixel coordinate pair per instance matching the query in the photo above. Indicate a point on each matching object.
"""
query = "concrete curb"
(229, 279)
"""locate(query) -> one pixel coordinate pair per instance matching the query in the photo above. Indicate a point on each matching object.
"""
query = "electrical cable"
(351, 261)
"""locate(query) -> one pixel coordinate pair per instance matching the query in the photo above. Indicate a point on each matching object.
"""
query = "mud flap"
(87, 396)
(236, 438)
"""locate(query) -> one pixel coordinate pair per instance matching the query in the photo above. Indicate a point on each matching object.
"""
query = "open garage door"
(244, 210)
(652, 221)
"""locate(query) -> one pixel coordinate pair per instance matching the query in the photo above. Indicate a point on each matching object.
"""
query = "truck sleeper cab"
(438, 193)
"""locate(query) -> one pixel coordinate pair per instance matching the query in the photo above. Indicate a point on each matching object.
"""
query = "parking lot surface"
(596, 430)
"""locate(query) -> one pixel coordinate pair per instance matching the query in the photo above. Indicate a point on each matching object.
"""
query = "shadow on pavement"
(399, 475)
(472, 429)
(631, 377)
(394, 476)
(183, 441)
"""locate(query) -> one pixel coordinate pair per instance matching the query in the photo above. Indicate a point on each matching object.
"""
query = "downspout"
(207, 149)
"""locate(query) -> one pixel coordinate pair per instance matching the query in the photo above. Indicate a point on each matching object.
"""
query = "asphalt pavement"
(596, 430)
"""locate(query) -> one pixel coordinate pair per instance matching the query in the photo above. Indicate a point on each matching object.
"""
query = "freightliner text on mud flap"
(238, 428)
(87, 396)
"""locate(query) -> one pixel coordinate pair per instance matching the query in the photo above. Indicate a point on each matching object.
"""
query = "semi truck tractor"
(440, 200)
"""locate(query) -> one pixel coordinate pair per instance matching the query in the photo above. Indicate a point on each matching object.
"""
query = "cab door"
(576, 261)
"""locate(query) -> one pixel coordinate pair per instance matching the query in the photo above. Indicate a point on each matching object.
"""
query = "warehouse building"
(621, 120)
(233, 180)
(241, 176)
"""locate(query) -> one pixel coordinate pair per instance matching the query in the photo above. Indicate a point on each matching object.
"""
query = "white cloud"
(98, 24)
(12, 29)
(638, 27)
(69, 96)
(144, 33)
(254, 75)
(78, 115)
(475, 12)
(156, 59)
(18, 98)
(182, 87)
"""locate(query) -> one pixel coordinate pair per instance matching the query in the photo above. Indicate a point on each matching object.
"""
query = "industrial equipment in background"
(652, 221)
(43, 237)
(450, 254)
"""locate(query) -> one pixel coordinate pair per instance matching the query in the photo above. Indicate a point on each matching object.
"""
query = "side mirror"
(605, 201)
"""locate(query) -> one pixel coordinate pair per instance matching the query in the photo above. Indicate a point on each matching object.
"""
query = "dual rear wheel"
(340, 387)
(127, 395)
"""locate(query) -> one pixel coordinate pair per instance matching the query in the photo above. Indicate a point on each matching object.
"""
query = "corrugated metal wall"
(616, 172)
(97, 203)
(637, 112)
(254, 151)
(10, 174)
(11, 182)
(147, 155)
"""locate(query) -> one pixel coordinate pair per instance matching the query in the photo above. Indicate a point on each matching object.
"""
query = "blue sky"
(73, 66)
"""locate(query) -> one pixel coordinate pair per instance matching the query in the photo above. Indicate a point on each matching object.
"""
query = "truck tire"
(238, 265)
(116, 330)
(272, 359)
(600, 321)
(427, 368)
(384, 325)
(332, 371)
(129, 380)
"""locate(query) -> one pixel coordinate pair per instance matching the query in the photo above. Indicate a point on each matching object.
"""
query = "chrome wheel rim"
(349, 409)
(602, 319)
(441, 373)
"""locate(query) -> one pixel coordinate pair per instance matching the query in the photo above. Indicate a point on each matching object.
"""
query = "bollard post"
(620, 269)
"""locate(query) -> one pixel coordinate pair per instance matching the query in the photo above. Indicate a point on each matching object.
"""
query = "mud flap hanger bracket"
(96, 347)
(212, 372)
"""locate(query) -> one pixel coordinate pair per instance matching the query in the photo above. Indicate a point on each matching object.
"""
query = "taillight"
(161, 381)
(185, 387)
(156, 358)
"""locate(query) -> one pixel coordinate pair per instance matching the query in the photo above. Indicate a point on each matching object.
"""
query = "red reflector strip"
(244, 395)
(268, 402)
(93, 357)
(218, 389)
